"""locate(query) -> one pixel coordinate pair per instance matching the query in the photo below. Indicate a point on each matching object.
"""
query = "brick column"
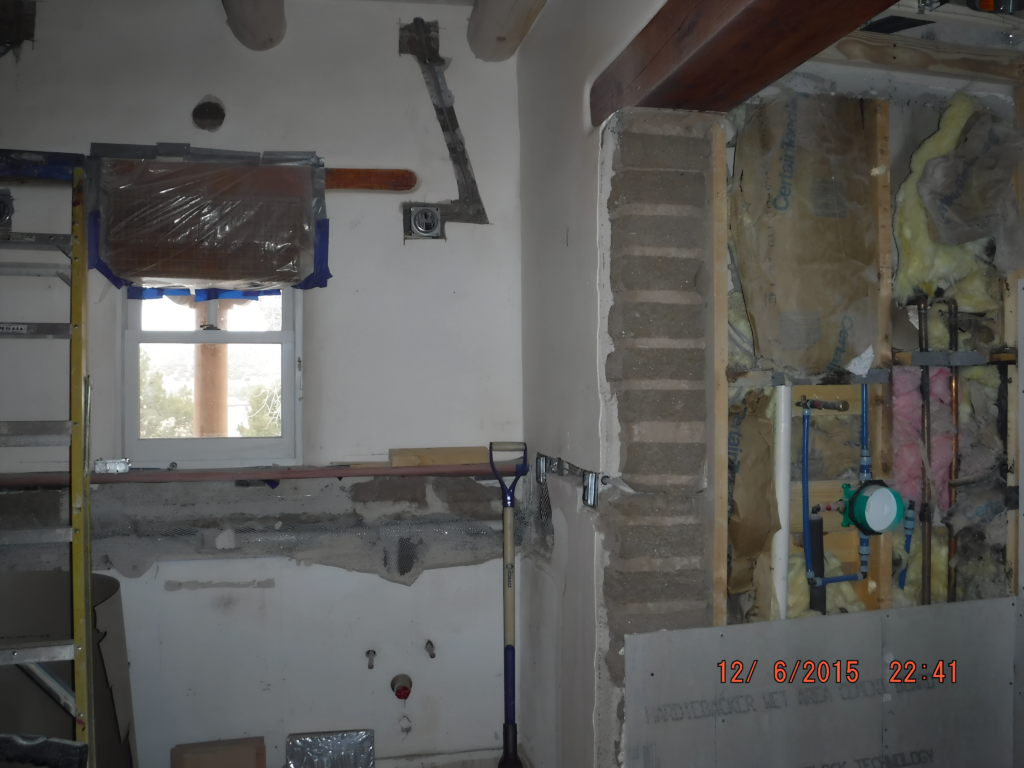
(657, 266)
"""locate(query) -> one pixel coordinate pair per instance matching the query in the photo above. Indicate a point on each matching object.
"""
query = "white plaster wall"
(558, 674)
(411, 344)
(572, 42)
(221, 662)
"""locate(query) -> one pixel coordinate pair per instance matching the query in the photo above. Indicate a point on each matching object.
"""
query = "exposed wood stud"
(720, 358)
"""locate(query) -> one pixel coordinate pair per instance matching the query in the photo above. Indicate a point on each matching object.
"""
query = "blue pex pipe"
(807, 493)
(510, 685)
(863, 415)
(908, 526)
(848, 577)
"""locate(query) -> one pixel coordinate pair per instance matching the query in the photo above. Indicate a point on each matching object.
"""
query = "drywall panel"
(570, 44)
(268, 647)
(559, 630)
(411, 344)
(678, 712)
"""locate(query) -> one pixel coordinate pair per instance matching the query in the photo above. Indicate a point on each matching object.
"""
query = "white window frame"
(214, 452)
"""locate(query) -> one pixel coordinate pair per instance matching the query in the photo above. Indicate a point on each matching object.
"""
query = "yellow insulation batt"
(923, 262)
(911, 593)
(839, 598)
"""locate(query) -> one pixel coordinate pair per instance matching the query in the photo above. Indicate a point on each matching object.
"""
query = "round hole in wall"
(402, 686)
(209, 114)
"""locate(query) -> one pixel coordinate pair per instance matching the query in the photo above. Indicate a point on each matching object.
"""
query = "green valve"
(874, 508)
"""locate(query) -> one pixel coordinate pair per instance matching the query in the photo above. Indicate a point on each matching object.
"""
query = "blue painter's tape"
(321, 273)
(21, 164)
(92, 240)
(510, 684)
(136, 292)
(209, 294)
(203, 294)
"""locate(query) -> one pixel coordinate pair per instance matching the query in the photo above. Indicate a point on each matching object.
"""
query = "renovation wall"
(410, 344)
(616, 265)
(559, 634)
(569, 46)
(268, 647)
(413, 344)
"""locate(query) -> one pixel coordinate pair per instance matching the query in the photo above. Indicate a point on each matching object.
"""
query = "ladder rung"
(35, 536)
(34, 651)
(35, 330)
(22, 434)
(27, 269)
(35, 241)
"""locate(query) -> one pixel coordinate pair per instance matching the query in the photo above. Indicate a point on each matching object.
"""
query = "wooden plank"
(383, 179)
(433, 457)
(711, 55)
(81, 551)
(848, 392)
(719, 234)
(907, 54)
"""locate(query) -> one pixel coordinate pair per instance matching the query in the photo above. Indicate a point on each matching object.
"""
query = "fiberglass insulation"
(923, 262)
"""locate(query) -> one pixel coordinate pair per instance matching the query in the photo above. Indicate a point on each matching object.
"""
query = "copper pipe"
(925, 514)
(954, 467)
(63, 479)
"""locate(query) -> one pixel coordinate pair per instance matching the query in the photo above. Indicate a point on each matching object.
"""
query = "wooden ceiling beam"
(711, 55)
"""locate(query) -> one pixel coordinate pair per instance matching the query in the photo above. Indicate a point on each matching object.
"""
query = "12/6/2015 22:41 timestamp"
(807, 671)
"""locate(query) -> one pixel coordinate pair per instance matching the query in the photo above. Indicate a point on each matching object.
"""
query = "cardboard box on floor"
(230, 753)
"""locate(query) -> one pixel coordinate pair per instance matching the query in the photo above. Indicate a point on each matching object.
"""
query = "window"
(213, 383)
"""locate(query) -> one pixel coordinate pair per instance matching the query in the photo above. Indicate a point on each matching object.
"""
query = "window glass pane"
(209, 390)
(248, 315)
(168, 314)
(181, 313)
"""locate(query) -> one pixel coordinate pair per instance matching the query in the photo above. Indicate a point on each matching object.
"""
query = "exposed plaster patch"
(175, 586)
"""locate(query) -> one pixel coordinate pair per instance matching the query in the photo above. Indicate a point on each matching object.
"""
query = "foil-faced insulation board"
(677, 705)
(336, 749)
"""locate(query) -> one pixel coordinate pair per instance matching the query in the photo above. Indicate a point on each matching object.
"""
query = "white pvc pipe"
(783, 453)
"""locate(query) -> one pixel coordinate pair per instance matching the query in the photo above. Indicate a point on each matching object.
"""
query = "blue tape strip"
(321, 273)
(59, 166)
(510, 685)
(209, 294)
(92, 240)
(203, 294)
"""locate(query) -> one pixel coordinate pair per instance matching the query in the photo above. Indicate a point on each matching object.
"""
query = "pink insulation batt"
(906, 434)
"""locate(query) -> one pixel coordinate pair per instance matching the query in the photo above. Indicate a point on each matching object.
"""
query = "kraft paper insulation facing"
(753, 517)
(802, 225)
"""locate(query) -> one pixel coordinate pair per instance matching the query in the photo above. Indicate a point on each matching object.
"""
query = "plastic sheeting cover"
(337, 749)
(207, 224)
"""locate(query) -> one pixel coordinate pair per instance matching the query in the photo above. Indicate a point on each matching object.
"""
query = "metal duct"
(498, 27)
(258, 24)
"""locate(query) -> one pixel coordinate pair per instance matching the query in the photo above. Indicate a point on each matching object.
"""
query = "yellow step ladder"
(22, 166)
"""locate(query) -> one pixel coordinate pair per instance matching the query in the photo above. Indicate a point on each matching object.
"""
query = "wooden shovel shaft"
(385, 179)
(509, 575)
